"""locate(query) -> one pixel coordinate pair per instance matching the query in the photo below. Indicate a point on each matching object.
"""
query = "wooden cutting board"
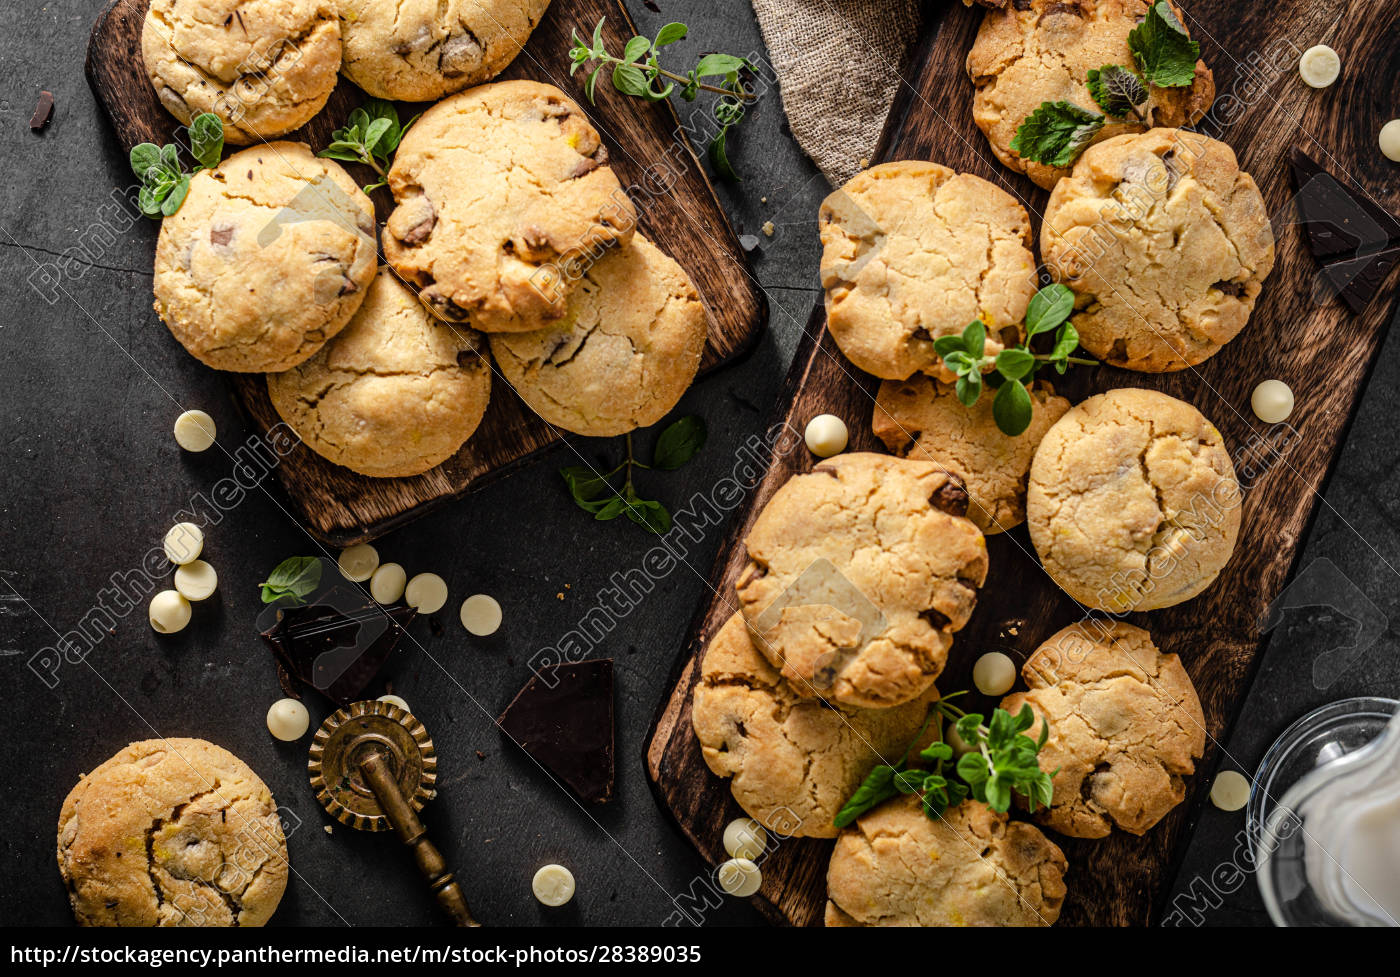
(683, 218)
(1323, 351)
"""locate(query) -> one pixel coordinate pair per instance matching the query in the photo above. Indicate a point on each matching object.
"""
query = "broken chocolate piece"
(563, 717)
(43, 112)
(1338, 221)
(1357, 281)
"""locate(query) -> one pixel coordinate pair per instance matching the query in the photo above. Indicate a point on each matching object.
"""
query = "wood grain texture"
(1318, 346)
(674, 199)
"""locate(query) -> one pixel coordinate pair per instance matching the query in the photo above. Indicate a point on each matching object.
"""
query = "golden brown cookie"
(923, 419)
(264, 67)
(1165, 243)
(395, 394)
(793, 760)
(172, 832)
(896, 866)
(1125, 727)
(1133, 503)
(269, 257)
(912, 251)
(1036, 51)
(858, 575)
(421, 50)
(503, 195)
(626, 350)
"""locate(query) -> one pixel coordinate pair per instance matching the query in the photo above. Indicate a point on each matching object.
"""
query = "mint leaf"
(144, 158)
(1013, 364)
(1164, 52)
(1048, 308)
(207, 139)
(295, 578)
(670, 34)
(1056, 133)
(1012, 408)
(975, 339)
(635, 48)
(679, 443)
(969, 388)
(1117, 90)
(877, 788)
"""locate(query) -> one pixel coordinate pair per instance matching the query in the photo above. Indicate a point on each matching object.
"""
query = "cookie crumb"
(768, 228)
(329, 829)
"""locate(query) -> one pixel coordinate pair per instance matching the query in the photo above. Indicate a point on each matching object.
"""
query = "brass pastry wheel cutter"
(373, 768)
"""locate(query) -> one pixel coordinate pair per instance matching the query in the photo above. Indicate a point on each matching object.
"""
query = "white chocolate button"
(394, 700)
(183, 543)
(739, 877)
(195, 431)
(553, 885)
(1319, 66)
(169, 612)
(288, 720)
(994, 673)
(1272, 401)
(358, 563)
(826, 435)
(196, 580)
(1390, 140)
(387, 583)
(426, 593)
(481, 615)
(745, 838)
(1230, 792)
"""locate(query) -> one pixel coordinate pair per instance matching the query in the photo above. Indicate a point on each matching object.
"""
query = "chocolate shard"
(1357, 281)
(43, 112)
(337, 644)
(563, 717)
(1339, 222)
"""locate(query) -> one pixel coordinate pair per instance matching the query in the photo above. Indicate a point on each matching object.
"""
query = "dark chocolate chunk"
(338, 643)
(563, 717)
(43, 112)
(1357, 281)
(950, 497)
(1339, 222)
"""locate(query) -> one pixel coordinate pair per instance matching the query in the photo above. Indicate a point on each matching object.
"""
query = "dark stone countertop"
(90, 479)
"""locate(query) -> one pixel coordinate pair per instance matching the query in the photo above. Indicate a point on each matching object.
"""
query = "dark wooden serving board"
(685, 220)
(1323, 351)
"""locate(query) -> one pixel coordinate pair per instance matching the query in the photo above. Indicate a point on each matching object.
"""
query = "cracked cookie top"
(896, 866)
(1035, 51)
(626, 350)
(269, 257)
(503, 194)
(264, 67)
(793, 760)
(174, 832)
(1165, 243)
(1125, 727)
(395, 394)
(912, 251)
(421, 50)
(1133, 503)
(923, 419)
(858, 575)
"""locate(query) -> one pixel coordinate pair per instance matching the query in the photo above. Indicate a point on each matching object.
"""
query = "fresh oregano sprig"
(596, 494)
(1002, 762)
(1165, 57)
(1014, 368)
(292, 580)
(370, 136)
(165, 183)
(638, 72)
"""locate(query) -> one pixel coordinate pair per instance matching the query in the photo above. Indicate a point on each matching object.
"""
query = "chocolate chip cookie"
(1125, 727)
(269, 257)
(1165, 243)
(503, 196)
(923, 419)
(912, 251)
(264, 67)
(858, 575)
(896, 866)
(172, 832)
(1034, 51)
(1133, 503)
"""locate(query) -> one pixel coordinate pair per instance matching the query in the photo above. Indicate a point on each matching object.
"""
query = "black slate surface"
(90, 479)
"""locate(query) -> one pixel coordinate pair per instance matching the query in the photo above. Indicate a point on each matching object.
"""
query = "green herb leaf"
(719, 64)
(629, 79)
(176, 196)
(719, 156)
(1056, 133)
(635, 48)
(670, 34)
(969, 388)
(1117, 90)
(945, 345)
(144, 158)
(1066, 342)
(877, 788)
(975, 339)
(207, 139)
(1048, 308)
(1012, 408)
(1164, 52)
(679, 443)
(294, 579)
(584, 483)
(1013, 364)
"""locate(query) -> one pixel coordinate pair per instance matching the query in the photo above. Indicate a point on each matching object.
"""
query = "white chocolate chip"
(553, 885)
(826, 435)
(1272, 401)
(387, 583)
(745, 838)
(426, 593)
(183, 543)
(195, 430)
(1319, 66)
(1230, 792)
(481, 615)
(994, 673)
(394, 700)
(358, 563)
(1390, 140)
(169, 612)
(288, 720)
(739, 877)
(196, 580)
